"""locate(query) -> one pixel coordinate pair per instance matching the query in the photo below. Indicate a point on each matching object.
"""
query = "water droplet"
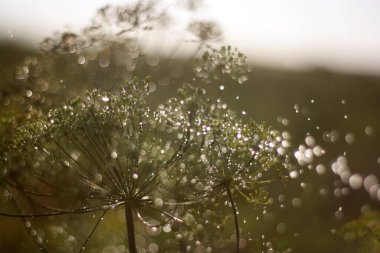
(297, 202)
(167, 228)
(104, 62)
(373, 191)
(369, 130)
(135, 176)
(152, 87)
(153, 231)
(153, 248)
(350, 138)
(294, 174)
(281, 198)
(158, 202)
(242, 79)
(39, 240)
(285, 121)
(369, 181)
(356, 181)
(29, 93)
(22, 72)
(114, 155)
(81, 59)
(152, 60)
(310, 141)
(323, 192)
(286, 135)
(188, 219)
(318, 151)
(98, 177)
(321, 169)
(281, 228)
(365, 209)
(297, 108)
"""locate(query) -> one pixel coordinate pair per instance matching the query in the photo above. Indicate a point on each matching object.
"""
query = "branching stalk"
(234, 210)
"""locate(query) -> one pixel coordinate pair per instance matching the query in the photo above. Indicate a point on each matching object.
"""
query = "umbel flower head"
(233, 159)
(163, 165)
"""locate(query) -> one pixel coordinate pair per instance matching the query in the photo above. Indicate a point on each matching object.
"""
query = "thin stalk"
(130, 228)
(92, 232)
(42, 247)
(234, 210)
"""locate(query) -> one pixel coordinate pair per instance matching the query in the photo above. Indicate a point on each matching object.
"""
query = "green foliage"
(366, 230)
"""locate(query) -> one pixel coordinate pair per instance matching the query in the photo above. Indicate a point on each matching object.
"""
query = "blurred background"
(315, 73)
(292, 34)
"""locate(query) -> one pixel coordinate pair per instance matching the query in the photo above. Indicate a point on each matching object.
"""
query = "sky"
(342, 35)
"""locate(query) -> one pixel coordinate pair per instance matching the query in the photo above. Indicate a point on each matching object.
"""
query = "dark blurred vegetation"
(366, 230)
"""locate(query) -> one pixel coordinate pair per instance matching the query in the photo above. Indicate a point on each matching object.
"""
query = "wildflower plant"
(110, 149)
(236, 158)
(182, 167)
(110, 146)
(112, 48)
(217, 64)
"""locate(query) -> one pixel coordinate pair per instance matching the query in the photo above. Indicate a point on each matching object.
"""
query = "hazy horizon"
(340, 35)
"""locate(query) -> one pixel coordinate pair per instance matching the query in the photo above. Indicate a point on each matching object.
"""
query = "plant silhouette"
(110, 149)
(168, 167)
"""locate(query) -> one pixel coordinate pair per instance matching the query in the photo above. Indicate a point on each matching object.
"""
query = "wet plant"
(195, 176)
(110, 149)
(111, 49)
(169, 167)
(237, 157)
(365, 229)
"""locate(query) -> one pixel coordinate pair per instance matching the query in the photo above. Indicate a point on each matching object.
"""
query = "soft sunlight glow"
(340, 35)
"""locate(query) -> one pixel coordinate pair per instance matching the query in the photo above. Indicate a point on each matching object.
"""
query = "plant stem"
(92, 232)
(130, 229)
(234, 210)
